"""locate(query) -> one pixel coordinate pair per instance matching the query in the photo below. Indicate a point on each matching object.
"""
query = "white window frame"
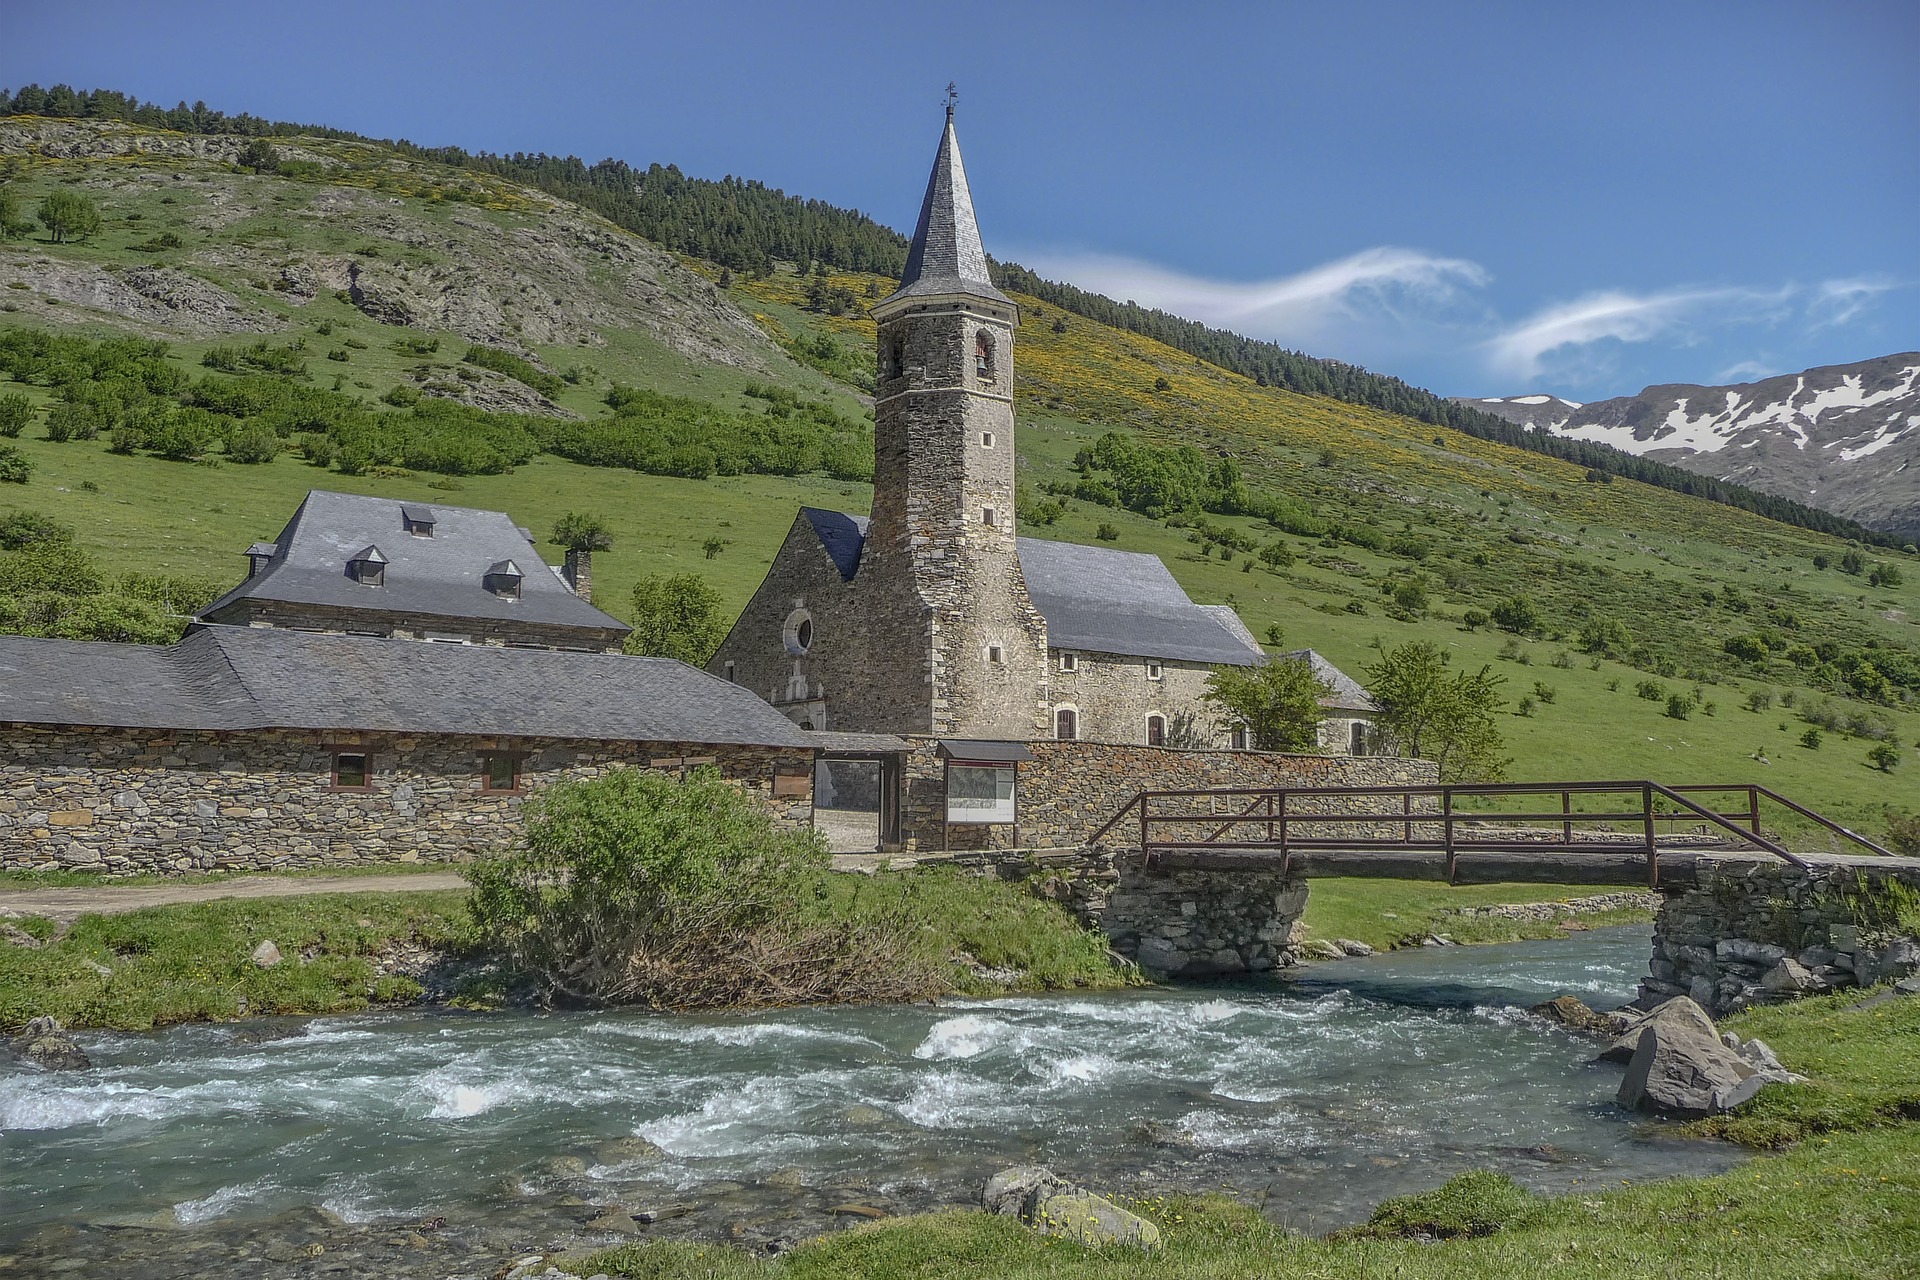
(996, 654)
(1155, 671)
(1071, 710)
(986, 439)
(1161, 717)
(1069, 661)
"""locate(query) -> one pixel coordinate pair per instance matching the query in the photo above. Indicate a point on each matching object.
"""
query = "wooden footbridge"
(1548, 832)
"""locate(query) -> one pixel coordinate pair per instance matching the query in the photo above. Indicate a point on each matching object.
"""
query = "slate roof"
(231, 678)
(1095, 598)
(946, 256)
(1348, 694)
(441, 576)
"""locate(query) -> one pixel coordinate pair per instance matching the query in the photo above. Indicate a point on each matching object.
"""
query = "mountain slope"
(1842, 437)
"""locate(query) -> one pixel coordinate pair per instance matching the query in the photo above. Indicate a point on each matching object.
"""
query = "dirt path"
(64, 904)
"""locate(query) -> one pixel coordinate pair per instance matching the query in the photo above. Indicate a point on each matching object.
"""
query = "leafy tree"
(68, 215)
(1276, 556)
(1429, 711)
(15, 466)
(12, 225)
(1747, 648)
(1810, 739)
(580, 531)
(1884, 575)
(726, 278)
(1853, 562)
(1411, 596)
(713, 546)
(1474, 619)
(1606, 636)
(260, 156)
(1679, 706)
(16, 411)
(1517, 614)
(676, 617)
(1278, 701)
(253, 444)
(115, 618)
(1884, 756)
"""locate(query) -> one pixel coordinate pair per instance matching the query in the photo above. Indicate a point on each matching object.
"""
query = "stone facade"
(1112, 695)
(397, 625)
(125, 800)
(1756, 932)
(1069, 790)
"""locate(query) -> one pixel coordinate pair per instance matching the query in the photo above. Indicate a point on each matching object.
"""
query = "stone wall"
(127, 801)
(1070, 789)
(1112, 695)
(1757, 932)
(335, 620)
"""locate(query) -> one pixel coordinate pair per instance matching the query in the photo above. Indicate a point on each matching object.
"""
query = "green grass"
(52, 879)
(163, 965)
(1381, 913)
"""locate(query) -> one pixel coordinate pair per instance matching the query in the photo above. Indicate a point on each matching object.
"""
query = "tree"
(15, 412)
(1883, 756)
(1853, 562)
(260, 156)
(253, 443)
(1516, 614)
(579, 531)
(676, 617)
(726, 278)
(12, 225)
(1278, 701)
(68, 215)
(1606, 636)
(1276, 556)
(1428, 711)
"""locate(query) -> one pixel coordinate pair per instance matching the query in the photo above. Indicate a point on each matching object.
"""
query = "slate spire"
(947, 256)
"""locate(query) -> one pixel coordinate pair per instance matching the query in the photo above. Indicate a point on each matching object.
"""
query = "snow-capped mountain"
(1845, 438)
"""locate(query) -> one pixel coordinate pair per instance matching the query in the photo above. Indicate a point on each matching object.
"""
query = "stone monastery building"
(933, 617)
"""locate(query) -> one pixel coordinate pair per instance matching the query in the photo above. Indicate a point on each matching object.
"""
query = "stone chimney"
(579, 573)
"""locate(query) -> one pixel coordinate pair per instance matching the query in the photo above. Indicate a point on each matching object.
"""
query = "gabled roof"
(1348, 694)
(946, 256)
(232, 678)
(441, 576)
(1095, 598)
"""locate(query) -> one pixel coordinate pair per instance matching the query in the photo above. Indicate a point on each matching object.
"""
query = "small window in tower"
(986, 439)
(983, 355)
(897, 360)
(1069, 662)
(1066, 724)
(995, 654)
(1153, 671)
(1156, 731)
(987, 517)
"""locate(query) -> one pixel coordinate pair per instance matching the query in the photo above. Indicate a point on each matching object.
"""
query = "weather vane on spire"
(953, 96)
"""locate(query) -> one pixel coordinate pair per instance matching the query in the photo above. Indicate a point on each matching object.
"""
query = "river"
(1314, 1095)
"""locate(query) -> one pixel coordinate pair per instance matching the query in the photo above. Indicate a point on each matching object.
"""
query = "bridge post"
(1188, 923)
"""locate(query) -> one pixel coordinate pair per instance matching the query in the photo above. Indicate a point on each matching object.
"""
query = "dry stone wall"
(1760, 932)
(124, 801)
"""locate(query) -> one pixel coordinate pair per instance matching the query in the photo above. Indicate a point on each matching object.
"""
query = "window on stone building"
(986, 439)
(1358, 738)
(897, 360)
(797, 634)
(983, 356)
(1066, 724)
(1153, 671)
(351, 771)
(499, 771)
(1239, 737)
(988, 516)
(368, 567)
(995, 654)
(1069, 662)
(1156, 731)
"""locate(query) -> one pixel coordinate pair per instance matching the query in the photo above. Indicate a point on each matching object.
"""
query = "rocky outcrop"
(1573, 1014)
(1681, 1066)
(1055, 1207)
(45, 1045)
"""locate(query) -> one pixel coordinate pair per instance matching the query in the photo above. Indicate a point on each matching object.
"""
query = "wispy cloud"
(1746, 371)
(1379, 282)
(1523, 349)
(1838, 301)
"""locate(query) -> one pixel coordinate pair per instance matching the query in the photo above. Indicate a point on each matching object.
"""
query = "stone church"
(932, 616)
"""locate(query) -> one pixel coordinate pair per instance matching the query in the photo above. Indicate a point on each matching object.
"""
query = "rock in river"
(1055, 1207)
(45, 1045)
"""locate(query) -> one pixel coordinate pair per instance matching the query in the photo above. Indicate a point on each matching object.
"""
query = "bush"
(1107, 532)
(15, 466)
(1651, 690)
(1517, 615)
(253, 444)
(1884, 756)
(547, 384)
(69, 421)
(632, 888)
(1474, 619)
(578, 531)
(1903, 833)
(1810, 739)
(1679, 706)
(16, 411)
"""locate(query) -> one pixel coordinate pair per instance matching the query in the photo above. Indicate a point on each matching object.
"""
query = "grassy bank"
(1383, 913)
(1843, 1203)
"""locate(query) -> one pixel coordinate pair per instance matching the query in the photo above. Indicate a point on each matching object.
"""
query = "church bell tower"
(941, 545)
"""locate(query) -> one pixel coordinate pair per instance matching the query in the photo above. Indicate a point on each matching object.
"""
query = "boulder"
(1349, 946)
(1678, 1071)
(1319, 949)
(266, 955)
(1572, 1013)
(1679, 1012)
(1055, 1207)
(45, 1045)
(1898, 959)
(1792, 978)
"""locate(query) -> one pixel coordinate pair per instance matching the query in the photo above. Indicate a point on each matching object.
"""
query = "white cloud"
(1299, 309)
(1745, 371)
(1835, 302)
(1562, 331)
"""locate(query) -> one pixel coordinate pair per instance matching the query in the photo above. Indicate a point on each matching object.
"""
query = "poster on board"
(980, 793)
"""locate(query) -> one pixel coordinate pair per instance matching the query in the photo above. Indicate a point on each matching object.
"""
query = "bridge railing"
(1520, 817)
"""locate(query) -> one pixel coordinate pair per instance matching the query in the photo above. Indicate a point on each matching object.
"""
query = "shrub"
(1276, 556)
(632, 888)
(1474, 619)
(15, 412)
(1760, 700)
(1107, 532)
(578, 531)
(547, 384)
(1884, 756)
(15, 466)
(1747, 648)
(253, 444)
(1651, 690)
(69, 421)
(1516, 614)
(1810, 739)
(1903, 833)
(1545, 692)
(1679, 706)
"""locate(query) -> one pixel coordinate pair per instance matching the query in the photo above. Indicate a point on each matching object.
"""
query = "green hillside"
(332, 305)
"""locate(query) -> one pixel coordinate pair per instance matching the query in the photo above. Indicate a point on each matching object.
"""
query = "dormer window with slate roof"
(368, 567)
(419, 521)
(259, 556)
(503, 579)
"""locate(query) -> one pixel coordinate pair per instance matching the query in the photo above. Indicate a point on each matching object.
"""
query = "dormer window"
(259, 556)
(418, 521)
(983, 356)
(368, 567)
(503, 579)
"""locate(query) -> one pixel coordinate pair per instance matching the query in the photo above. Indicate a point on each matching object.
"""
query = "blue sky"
(1483, 199)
